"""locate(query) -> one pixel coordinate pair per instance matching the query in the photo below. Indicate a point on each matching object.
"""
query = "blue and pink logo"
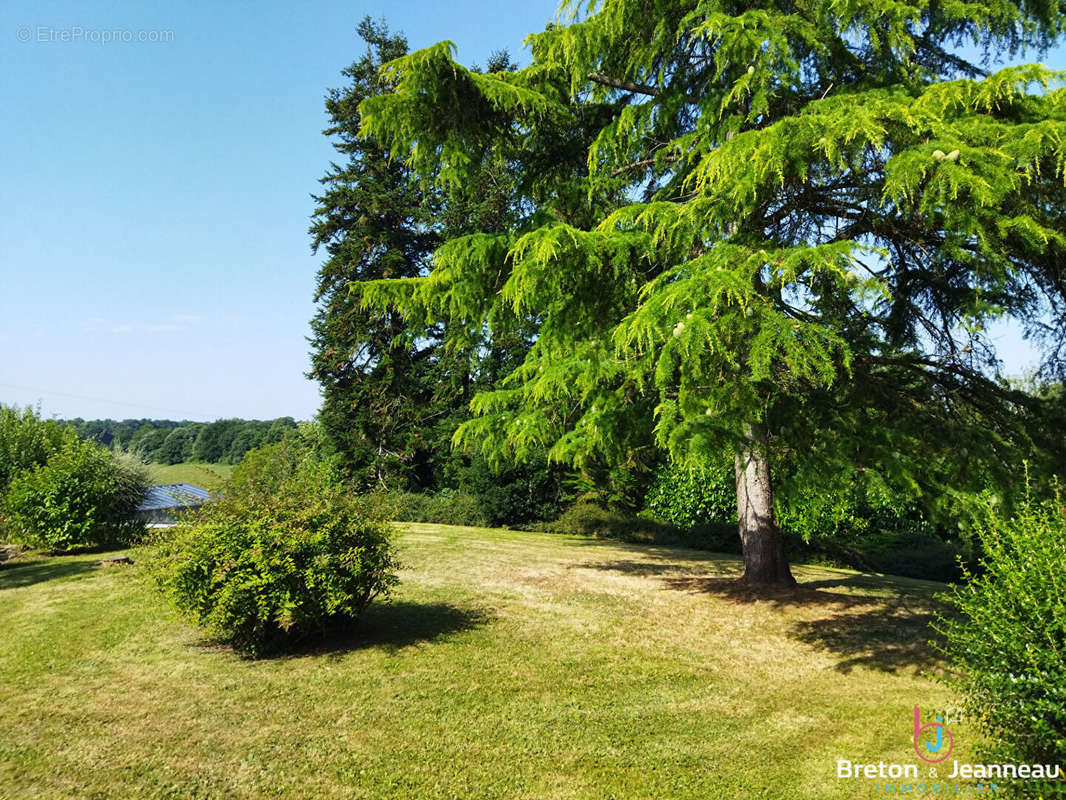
(936, 749)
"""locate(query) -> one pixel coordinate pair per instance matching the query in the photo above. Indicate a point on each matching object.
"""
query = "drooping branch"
(644, 162)
(639, 88)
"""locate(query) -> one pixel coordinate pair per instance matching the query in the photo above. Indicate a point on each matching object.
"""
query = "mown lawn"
(508, 665)
(206, 476)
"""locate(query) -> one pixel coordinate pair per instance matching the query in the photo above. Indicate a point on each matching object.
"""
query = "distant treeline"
(167, 441)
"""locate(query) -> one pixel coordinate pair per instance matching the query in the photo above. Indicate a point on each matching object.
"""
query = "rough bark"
(760, 538)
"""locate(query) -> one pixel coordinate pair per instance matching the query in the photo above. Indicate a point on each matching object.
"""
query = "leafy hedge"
(690, 496)
(590, 519)
(27, 441)
(82, 496)
(851, 526)
(447, 507)
(1009, 636)
(513, 494)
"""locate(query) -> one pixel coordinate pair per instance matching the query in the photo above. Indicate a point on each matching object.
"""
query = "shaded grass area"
(508, 665)
(206, 476)
(28, 570)
(878, 621)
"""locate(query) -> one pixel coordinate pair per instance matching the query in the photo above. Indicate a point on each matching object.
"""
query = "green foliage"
(446, 506)
(264, 470)
(225, 441)
(268, 565)
(165, 441)
(785, 229)
(147, 441)
(589, 519)
(83, 496)
(382, 390)
(178, 445)
(118, 433)
(1009, 635)
(394, 389)
(689, 496)
(513, 494)
(27, 441)
(849, 527)
(585, 518)
(913, 555)
(487, 497)
(872, 528)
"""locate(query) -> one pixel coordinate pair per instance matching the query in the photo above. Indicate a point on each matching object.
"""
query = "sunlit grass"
(507, 665)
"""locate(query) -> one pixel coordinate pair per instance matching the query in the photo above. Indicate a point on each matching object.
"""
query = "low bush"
(589, 519)
(1008, 638)
(83, 496)
(263, 470)
(264, 567)
(875, 531)
(915, 556)
(447, 507)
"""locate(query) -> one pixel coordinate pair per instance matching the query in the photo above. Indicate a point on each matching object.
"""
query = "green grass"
(507, 665)
(206, 476)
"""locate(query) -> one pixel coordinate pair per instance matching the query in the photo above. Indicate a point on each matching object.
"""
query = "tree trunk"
(760, 538)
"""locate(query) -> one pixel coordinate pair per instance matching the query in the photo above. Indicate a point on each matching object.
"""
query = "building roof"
(173, 495)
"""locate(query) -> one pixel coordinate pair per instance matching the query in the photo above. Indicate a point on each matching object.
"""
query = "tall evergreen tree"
(373, 221)
(829, 204)
(393, 394)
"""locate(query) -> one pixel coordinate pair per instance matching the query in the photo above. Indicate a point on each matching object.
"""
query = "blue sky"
(155, 195)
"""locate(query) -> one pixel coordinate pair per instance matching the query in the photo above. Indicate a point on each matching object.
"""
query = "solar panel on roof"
(173, 495)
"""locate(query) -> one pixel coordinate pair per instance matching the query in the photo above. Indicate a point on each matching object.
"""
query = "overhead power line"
(183, 414)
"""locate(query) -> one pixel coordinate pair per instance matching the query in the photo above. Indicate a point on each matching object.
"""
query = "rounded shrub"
(513, 494)
(585, 518)
(869, 528)
(263, 470)
(83, 496)
(1008, 637)
(263, 568)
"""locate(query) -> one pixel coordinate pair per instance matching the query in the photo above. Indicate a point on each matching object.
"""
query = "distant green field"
(207, 476)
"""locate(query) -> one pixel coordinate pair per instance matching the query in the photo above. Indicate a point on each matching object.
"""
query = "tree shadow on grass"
(16, 575)
(887, 638)
(391, 626)
(885, 585)
(885, 633)
(871, 621)
(666, 570)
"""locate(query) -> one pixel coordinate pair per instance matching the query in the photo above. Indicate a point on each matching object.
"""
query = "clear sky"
(155, 195)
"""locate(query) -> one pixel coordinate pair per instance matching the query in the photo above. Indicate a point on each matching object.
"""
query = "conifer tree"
(373, 221)
(797, 221)
(392, 394)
